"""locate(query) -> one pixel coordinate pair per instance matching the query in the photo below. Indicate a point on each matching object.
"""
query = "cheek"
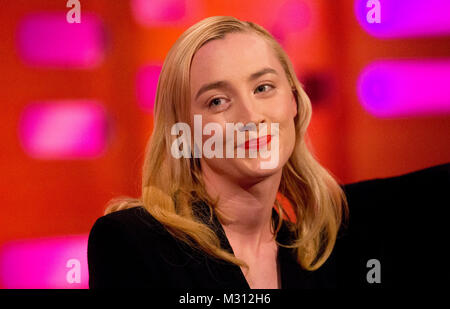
(217, 124)
(285, 118)
(281, 113)
(287, 141)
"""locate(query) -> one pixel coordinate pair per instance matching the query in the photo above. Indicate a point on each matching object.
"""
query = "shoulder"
(136, 215)
(130, 248)
(135, 223)
(389, 218)
(130, 219)
(122, 247)
(399, 198)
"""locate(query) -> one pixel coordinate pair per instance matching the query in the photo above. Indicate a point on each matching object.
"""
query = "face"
(247, 85)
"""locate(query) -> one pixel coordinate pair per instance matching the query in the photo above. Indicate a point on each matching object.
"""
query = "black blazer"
(389, 222)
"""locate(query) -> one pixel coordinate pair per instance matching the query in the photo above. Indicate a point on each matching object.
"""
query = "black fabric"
(402, 222)
(399, 221)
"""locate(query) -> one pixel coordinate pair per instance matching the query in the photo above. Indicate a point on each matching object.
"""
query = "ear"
(294, 102)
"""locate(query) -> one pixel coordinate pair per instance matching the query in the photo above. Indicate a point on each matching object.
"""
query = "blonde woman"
(216, 221)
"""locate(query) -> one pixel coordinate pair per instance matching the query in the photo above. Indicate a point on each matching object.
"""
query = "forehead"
(237, 54)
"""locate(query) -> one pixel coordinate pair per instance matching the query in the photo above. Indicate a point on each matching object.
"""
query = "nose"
(250, 111)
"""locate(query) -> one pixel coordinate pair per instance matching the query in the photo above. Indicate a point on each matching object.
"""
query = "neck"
(246, 210)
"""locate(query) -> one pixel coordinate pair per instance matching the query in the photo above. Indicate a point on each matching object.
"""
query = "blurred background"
(78, 97)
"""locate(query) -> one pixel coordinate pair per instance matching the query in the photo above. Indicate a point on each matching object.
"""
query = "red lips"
(257, 143)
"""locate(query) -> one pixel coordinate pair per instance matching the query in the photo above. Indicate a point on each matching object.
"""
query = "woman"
(220, 222)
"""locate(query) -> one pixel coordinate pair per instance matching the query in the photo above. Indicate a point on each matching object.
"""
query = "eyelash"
(210, 102)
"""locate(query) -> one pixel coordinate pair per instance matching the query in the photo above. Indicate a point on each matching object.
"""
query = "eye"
(214, 102)
(262, 87)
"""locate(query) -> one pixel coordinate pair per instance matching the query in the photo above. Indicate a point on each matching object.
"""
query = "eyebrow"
(224, 84)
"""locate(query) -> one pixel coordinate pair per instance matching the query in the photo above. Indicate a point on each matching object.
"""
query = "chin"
(258, 167)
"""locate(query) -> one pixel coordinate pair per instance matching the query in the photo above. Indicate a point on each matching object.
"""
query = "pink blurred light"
(47, 39)
(146, 85)
(293, 17)
(391, 89)
(45, 263)
(64, 129)
(157, 13)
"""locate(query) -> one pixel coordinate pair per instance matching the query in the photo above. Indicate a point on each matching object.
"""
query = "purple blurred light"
(146, 85)
(47, 39)
(46, 263)
(406, 18)
(64, 129)
(390, 89)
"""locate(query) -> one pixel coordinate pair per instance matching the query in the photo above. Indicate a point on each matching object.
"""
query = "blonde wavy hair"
(170, 186)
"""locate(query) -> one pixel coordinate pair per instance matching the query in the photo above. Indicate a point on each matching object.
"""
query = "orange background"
(58, 197)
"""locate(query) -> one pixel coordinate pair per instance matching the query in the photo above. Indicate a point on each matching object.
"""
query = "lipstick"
(257, 143)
